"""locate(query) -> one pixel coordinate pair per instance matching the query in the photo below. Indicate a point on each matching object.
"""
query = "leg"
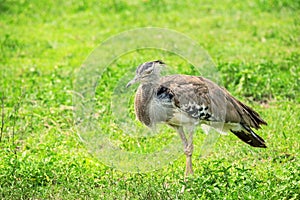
(188, 150)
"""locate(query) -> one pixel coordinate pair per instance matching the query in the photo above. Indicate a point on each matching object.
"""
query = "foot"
(189, 168)
(188, 150)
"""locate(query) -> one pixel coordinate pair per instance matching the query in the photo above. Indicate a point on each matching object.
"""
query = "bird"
(185, 101)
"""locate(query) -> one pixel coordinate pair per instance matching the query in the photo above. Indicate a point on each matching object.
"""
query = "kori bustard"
(184, 101)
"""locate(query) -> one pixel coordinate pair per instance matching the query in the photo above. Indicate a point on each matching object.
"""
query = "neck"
(151, 81)
(143, 99)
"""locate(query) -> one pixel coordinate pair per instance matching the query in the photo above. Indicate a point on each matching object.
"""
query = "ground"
(254, 45)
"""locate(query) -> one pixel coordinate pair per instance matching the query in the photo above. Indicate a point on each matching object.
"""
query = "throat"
(153, 104)
(143, 99)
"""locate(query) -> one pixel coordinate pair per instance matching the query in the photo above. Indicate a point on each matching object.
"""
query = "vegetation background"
(255, 45)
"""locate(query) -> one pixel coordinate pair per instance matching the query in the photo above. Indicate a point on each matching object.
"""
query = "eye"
(148, 72)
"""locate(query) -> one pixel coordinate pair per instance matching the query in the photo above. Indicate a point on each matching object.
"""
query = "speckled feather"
(142, 99)
(203, 99)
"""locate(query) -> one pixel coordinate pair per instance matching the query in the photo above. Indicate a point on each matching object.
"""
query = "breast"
(142, 101)
(153, 105)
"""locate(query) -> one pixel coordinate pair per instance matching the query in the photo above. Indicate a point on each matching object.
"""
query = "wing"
(190, 95)
(235, 111)
(202, 99)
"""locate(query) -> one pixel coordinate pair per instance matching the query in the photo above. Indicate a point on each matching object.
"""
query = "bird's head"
(147, 72)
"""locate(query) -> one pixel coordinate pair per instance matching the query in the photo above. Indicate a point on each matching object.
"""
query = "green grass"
(255, 46)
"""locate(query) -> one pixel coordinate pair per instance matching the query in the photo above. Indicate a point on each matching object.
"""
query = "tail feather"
(255, 118)
(248, 136)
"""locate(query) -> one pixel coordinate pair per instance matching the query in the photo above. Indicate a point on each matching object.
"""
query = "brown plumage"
(184, 101)
(201, 91)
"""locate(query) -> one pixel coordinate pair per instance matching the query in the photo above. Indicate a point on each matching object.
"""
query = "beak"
(133, 81)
